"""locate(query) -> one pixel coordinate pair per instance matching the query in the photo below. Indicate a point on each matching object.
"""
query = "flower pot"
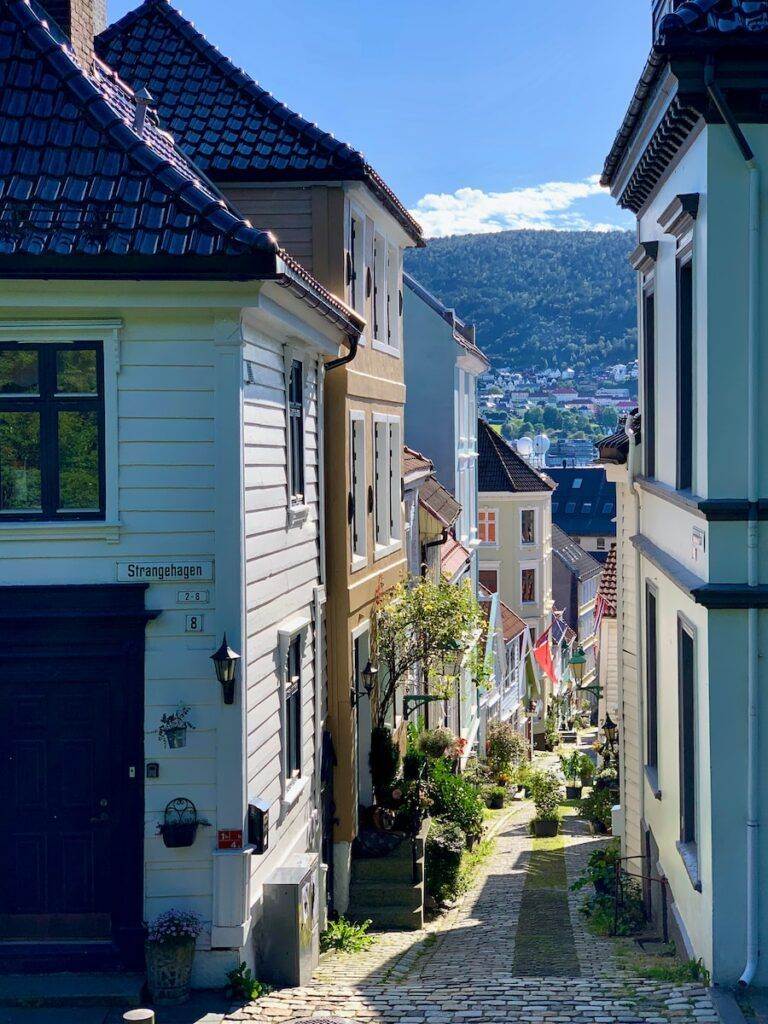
(178, 834)
(169, 971)
(177, 737)
(545, 829)
(599, 827)
(573, 792)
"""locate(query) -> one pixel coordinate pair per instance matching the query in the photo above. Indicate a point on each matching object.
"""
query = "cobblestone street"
(514, 949)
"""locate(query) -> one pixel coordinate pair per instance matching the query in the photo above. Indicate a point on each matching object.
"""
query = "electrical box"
(258, 826)
(290, 924)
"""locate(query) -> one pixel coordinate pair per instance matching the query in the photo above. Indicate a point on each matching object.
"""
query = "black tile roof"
(614, 449)
(717, 17)
(78, 181)
(230, 126)
(500, 468)
(439, 502)
(584, 504)
(573, 556)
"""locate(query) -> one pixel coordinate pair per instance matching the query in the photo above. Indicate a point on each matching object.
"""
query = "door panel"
(57, 792)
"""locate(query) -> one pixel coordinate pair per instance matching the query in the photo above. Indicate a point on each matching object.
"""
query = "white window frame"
(298, 509)
(359, 496)
(488, 512)
(292, 788)
(388, 502)
(357, 288)
(534, 542)
(107, 332)
(386, 286)
(490, 567)
(525, 566)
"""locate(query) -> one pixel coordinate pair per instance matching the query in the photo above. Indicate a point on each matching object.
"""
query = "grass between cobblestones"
(544, 943)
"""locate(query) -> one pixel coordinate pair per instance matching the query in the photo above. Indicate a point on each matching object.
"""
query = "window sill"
(71, 530)
(358, 562)
(382, 550)
(297, 515)
(292, 794)
(652, 778)
(382, 346)
(690, 858)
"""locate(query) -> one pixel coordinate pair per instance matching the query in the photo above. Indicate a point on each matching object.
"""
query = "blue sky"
(481, 116)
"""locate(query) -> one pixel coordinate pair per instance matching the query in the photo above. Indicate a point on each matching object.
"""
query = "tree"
(426, 625)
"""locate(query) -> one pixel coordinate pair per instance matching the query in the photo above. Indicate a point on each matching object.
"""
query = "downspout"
(753, 327)
(639, 659)
(354, 341)
(319, 609)
(429, 544)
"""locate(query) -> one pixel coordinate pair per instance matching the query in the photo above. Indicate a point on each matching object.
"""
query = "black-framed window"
(651, 679)
(649, 382)
(686, 668)
(293, 710)
(52, 431)
(296, 424)
(684, 373)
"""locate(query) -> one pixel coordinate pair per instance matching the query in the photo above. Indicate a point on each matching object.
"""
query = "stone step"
(378, 894)
(65, 989)
(383, 918)
(386, 869)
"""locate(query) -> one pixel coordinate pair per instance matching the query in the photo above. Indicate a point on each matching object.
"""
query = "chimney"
(81, 20)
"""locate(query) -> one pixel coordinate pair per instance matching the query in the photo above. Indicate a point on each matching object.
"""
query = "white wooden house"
(161, 389)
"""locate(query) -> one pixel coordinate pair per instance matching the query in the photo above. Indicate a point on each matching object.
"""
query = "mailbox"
(258, 826)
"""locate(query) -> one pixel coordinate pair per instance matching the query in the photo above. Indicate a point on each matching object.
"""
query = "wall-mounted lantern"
(370, 674)
(611, 731)
(578, 664)
(225, 662)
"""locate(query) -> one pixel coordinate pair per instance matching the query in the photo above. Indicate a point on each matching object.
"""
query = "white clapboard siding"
(281, 575)
(631, 731)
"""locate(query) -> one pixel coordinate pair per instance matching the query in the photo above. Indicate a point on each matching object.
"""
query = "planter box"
(545, 829)
(573, 792)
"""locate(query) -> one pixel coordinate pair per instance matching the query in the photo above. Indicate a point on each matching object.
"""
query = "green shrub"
(384, 760)
(445, 845)
(601, 870)
(494, 797)
(478, 773)
(456, 799)
(505, 748)
(345, 937)
(523, 774)
(597, 806)
(545, 789)
(242, 986)
(607, 778)
(414, 763)
(435, 743)
(576, 766)
(551, 735)
(604, 917)
(678, 973)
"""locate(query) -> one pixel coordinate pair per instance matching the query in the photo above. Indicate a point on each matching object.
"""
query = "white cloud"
(541, 207)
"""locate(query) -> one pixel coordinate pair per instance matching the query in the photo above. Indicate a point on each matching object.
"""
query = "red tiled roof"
(453, 557)
(415, 462)
(511, 623)
(607, 589)
(439, 502)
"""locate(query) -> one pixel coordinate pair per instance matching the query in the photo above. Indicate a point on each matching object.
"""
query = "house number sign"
(171, 571)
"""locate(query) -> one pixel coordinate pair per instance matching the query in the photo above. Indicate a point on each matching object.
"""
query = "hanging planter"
(172, 730)
(180, 823)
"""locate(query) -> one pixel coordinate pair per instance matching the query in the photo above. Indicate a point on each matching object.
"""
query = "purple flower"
(174, 925)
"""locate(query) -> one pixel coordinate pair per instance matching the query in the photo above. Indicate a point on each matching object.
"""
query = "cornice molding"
(680, 216)
(644, 257)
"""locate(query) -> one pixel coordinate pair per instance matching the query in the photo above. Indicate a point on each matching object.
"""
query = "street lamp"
(225, 662)
(579, 664)
(369, 675)
(611, 731)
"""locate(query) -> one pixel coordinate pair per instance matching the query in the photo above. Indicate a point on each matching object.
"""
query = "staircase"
(389, 891)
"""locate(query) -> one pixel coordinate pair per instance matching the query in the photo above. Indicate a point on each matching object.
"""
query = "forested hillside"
(538, 298)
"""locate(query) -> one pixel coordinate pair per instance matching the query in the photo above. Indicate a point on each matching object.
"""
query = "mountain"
(538, 298)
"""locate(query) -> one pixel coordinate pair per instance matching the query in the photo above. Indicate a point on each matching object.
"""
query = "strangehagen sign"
(172, 571)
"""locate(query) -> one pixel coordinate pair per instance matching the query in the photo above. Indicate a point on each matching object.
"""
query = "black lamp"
(225, 662)
(611, 730)
(369, 676)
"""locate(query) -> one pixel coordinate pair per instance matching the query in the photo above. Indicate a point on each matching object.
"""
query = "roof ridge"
(241, 79)
(500, 445)
(82, 87)
(230, 70)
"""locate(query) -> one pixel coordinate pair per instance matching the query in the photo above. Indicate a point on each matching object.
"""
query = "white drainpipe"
(753, 331)
(639, 653)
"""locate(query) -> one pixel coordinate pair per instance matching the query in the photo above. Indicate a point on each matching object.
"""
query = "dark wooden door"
(69, 814)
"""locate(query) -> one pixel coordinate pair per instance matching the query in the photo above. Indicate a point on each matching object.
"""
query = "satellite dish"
(525, 447)
(541, 444)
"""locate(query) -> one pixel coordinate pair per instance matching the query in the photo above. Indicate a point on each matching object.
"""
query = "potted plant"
(172, 730)
(170, 950)
(570, 764)
(545, 787)
(607, 778)
(586, 769)
(523, 777)
(435, 743)
(505, 748)
(596, 808)
(494, 797)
